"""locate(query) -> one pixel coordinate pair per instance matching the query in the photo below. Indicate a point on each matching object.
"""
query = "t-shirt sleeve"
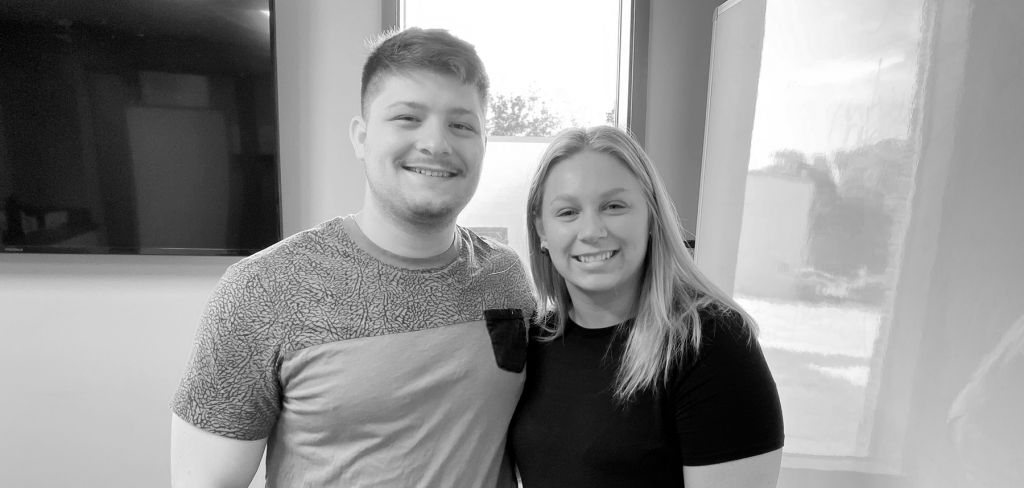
(230, 386)
(726, 402)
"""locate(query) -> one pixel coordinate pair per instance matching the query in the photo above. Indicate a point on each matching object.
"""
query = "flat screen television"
(138, 127)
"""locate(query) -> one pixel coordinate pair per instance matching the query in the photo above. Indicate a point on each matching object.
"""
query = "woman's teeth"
(590, 258)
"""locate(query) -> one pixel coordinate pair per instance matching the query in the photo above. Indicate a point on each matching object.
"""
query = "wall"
(677, 86)
(320, 50)
(978, 275)
(94, 345)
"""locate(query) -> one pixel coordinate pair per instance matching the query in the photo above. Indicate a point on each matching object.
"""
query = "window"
(547, 73)
(807, 228)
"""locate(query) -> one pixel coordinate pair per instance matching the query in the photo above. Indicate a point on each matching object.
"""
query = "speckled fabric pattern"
(325, 287)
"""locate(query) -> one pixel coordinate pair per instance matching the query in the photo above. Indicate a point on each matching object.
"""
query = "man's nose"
(433, 139)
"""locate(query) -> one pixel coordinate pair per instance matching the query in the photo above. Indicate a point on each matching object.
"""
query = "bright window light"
(557, 74)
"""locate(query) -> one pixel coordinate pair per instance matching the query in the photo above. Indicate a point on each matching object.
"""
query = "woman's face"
(593, 220)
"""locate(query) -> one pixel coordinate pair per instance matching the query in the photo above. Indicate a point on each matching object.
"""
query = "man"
(381, 349)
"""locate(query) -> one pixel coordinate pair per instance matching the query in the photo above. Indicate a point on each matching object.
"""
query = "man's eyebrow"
(413, 105)
(423, 107)
(462, 111)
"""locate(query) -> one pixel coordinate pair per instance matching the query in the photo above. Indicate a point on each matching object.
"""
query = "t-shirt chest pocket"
(509, 340)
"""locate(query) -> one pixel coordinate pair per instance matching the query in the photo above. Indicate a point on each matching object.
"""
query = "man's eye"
(406, 118)
(465, 127)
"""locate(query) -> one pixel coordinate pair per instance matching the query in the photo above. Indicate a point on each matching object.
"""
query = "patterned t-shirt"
(364, 368)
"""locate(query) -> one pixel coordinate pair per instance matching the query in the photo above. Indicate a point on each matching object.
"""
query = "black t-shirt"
(569, 431)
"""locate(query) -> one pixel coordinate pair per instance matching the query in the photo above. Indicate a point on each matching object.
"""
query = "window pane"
(546, 74)
(826, 206)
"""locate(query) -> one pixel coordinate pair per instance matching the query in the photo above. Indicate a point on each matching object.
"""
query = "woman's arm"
(728, 414)
(761, 471)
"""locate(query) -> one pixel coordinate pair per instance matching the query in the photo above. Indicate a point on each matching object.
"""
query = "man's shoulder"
(494, 258)
(498, 270)
(487, 247)
(327, 239)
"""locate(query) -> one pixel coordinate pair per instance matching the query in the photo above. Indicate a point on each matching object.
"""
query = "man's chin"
(433, 215)
(424, 210)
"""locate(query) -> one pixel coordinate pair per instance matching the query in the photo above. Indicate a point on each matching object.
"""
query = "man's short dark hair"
(434, 50)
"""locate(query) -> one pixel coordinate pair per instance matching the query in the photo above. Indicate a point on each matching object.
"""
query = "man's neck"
(404, 239)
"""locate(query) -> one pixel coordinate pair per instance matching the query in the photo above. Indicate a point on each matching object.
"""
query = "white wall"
(320, 50)
(977, 284)
(94, 345)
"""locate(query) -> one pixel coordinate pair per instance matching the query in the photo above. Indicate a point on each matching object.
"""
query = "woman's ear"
(357, 134)
(539, 227)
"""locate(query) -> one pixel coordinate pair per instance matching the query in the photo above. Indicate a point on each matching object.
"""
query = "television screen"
(138, 127)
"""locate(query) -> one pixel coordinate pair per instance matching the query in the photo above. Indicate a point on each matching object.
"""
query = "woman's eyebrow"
(570, 198)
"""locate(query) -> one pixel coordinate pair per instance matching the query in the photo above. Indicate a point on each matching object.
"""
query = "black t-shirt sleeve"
(725, 400)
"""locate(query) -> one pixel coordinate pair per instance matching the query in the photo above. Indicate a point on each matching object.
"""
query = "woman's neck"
(605, 310)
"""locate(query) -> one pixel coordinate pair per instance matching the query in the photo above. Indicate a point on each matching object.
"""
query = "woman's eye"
(565, 213)
(465, 127)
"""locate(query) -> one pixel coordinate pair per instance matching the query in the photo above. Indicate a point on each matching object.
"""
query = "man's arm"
(200, 459)
(761, 471)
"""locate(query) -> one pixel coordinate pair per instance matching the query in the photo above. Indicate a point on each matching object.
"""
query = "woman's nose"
(593, 227)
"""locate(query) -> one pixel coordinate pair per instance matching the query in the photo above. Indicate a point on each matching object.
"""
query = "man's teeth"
(431, 172)
(590, 258)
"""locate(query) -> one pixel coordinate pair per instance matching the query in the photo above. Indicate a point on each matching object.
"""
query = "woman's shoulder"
(725, 333)
(729, 354)
(718, 318)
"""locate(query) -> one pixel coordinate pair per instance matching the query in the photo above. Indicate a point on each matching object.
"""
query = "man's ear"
(357, 134)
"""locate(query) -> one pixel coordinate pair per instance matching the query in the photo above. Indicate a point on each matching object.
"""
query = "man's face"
(422, 143)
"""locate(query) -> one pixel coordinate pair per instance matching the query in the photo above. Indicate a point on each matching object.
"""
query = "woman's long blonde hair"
(673, 291)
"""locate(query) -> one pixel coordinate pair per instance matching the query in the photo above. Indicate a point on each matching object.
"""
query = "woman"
(643, 372)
